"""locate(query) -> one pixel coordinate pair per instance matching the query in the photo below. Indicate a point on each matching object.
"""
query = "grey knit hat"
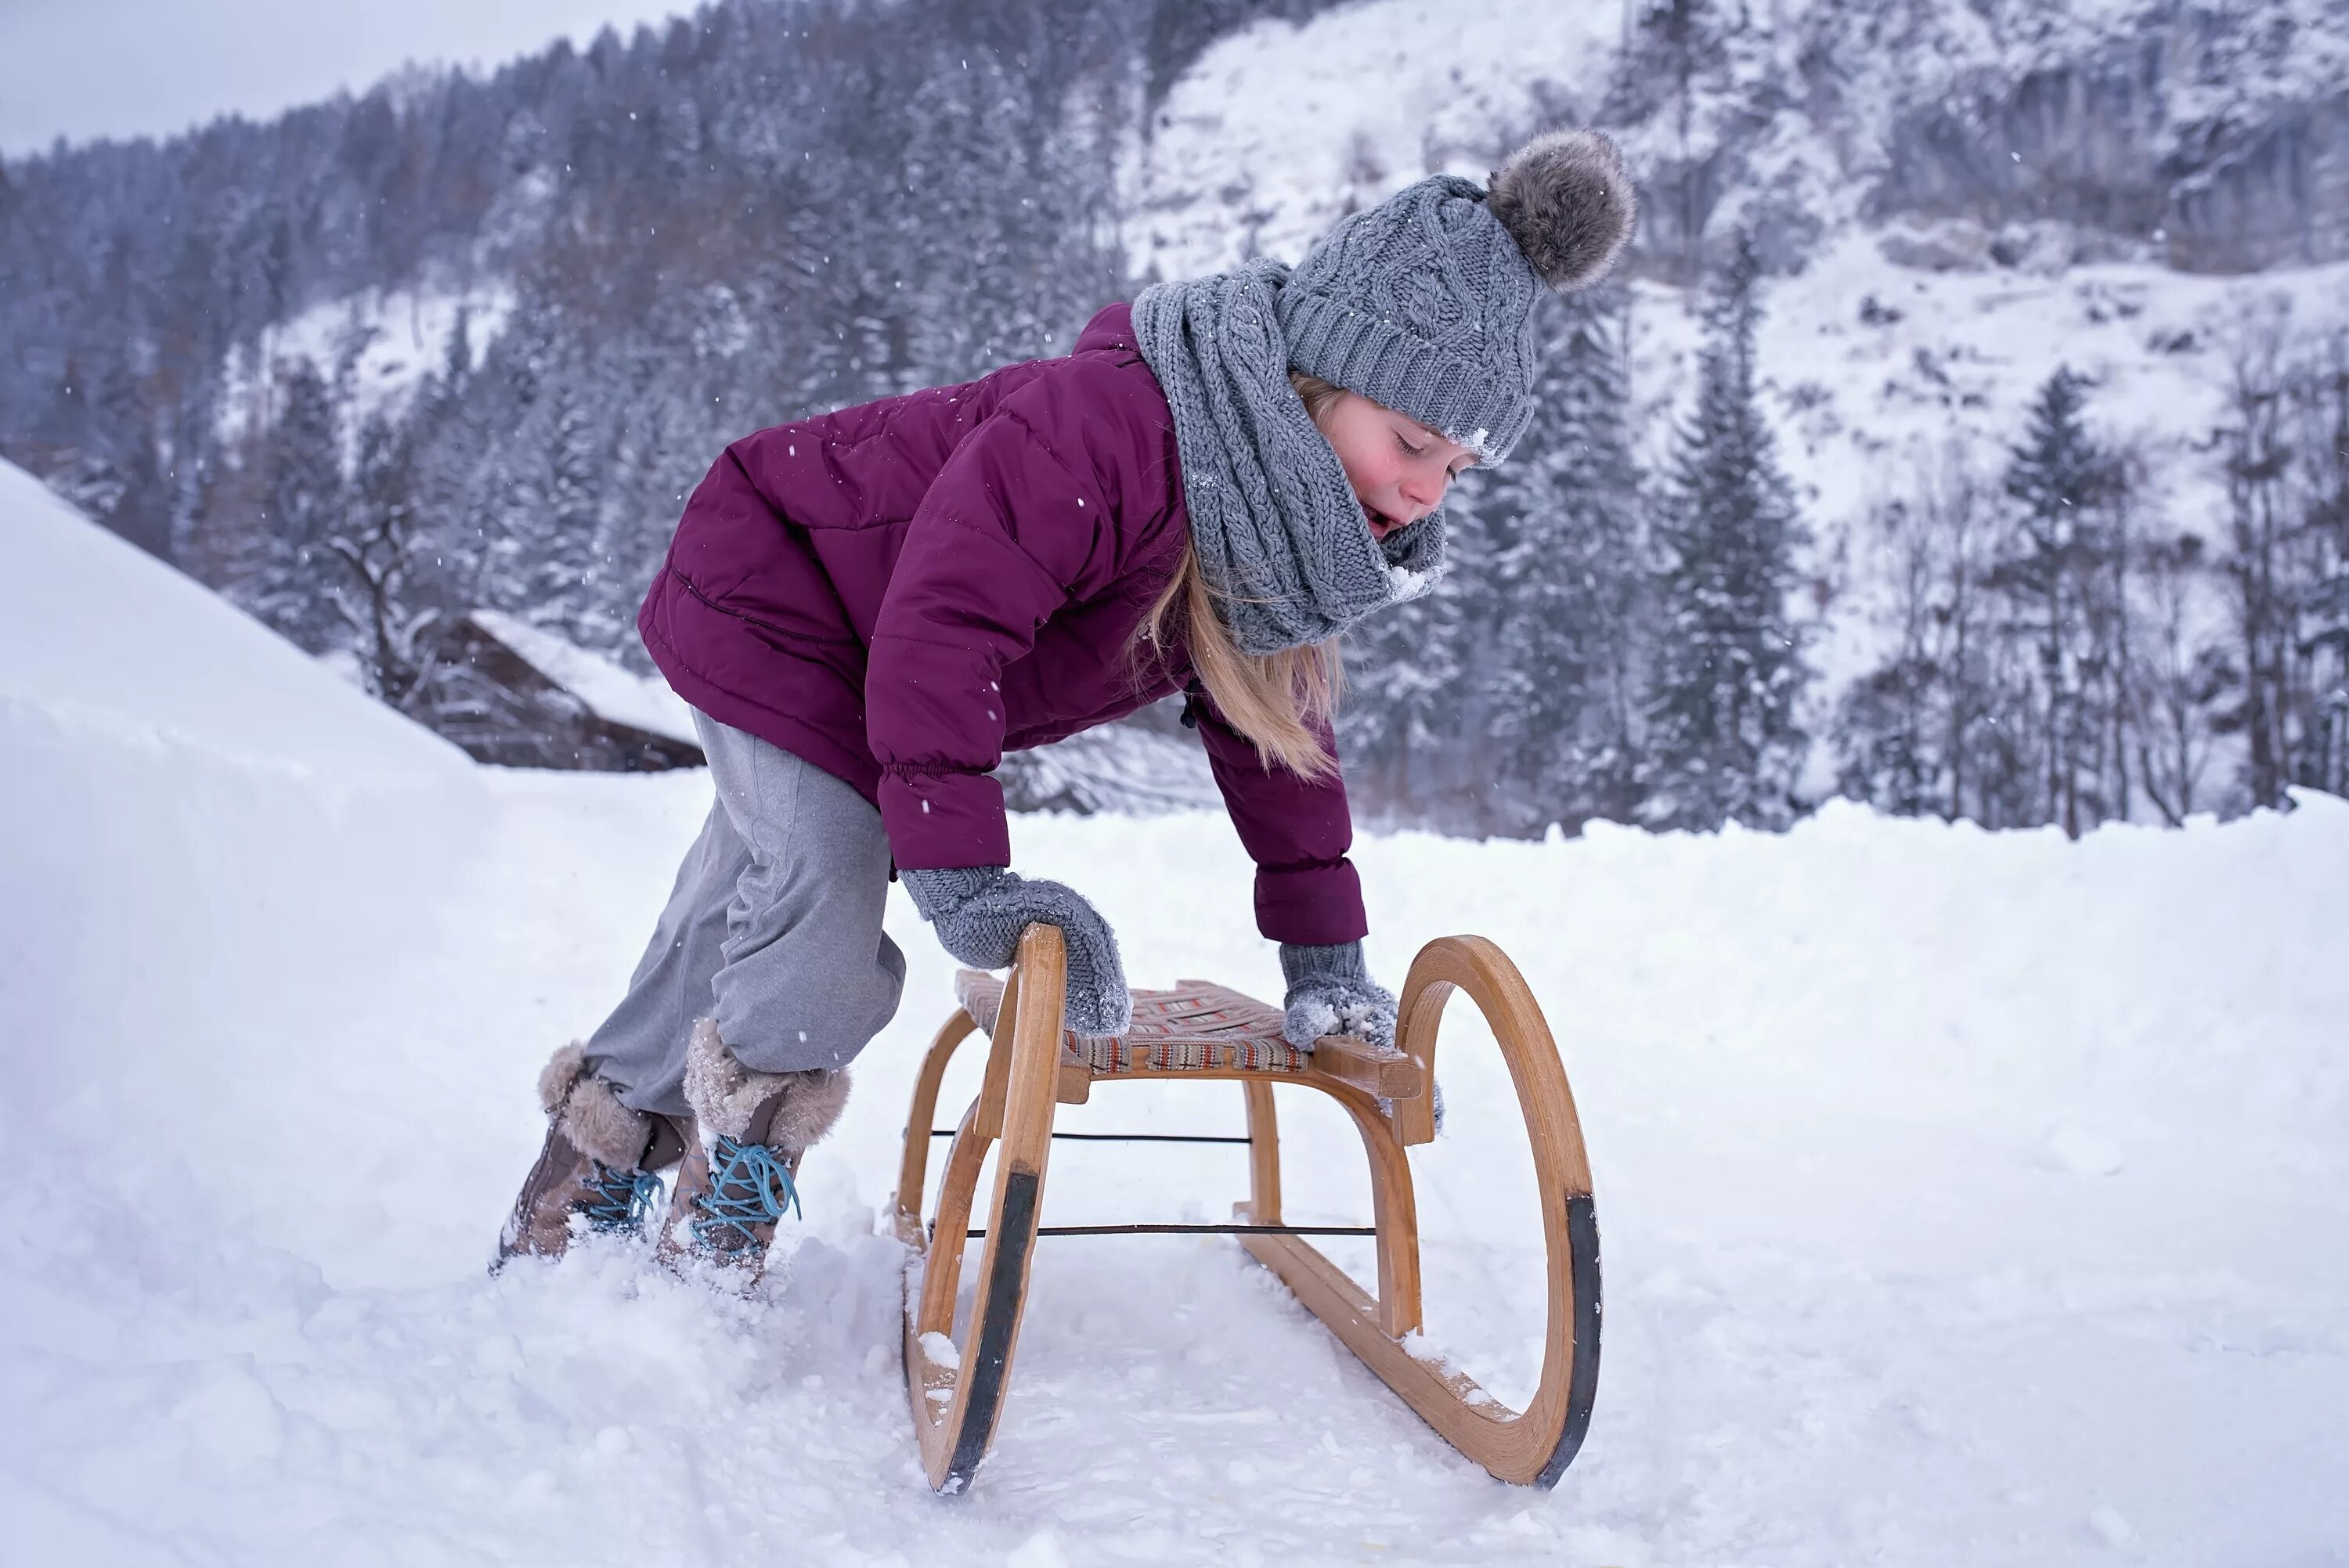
(1425, 302)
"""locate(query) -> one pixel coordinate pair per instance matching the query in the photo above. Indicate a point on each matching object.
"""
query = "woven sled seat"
(1198, 1027)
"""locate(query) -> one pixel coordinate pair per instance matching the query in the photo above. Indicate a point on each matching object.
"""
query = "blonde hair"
(1277, 701)
(1316, 393)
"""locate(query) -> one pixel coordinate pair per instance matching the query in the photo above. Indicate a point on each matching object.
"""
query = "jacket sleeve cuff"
(943, 820)
(1315, 905)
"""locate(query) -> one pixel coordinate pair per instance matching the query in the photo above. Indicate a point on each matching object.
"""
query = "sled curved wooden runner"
(1197, 1031)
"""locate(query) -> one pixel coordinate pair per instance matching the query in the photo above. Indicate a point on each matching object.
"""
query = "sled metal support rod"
(1121, 1137)
(1200, 1231)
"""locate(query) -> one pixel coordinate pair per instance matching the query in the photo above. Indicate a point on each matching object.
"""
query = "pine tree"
(456, 355)
(566, 571)
(1723, 742)
(123, 429)
(1410, 691)
(2321, 749)
(1565, 579)
(448, 432)
(2057, 574)
(492, 453)
(301, 495)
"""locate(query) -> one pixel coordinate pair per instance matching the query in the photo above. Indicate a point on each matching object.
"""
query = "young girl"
(868, 608)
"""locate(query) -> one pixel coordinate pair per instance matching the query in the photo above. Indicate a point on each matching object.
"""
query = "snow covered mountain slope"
(389, 342)
(2209, 134)
(1939, 367)
(1808, 128)
(1966, 1199)
(1280, 129)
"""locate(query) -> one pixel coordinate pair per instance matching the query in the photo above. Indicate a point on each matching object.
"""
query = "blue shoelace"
(623, 1200)
(748, 1186)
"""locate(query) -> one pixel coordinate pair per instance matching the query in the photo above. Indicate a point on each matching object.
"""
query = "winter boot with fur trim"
(596, 1166)
(737, 1177)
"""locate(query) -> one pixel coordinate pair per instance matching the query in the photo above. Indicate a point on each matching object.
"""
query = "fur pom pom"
(1566, 201)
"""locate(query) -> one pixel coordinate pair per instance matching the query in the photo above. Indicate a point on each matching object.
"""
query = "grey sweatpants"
(773, 929)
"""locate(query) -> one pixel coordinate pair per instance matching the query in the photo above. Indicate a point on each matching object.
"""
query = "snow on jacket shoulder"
(901, 592)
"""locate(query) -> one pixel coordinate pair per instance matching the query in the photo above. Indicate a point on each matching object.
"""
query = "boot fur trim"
(593, 1117)
(564, 1069)
(727, 1096)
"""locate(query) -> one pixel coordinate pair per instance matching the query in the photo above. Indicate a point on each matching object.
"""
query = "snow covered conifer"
(1408, 726)
(301, 494)
(1722, 742)
(566, 569)
(2058, 573)
(1566, 581)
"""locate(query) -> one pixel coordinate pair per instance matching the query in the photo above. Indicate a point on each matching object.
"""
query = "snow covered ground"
(1966, 1199)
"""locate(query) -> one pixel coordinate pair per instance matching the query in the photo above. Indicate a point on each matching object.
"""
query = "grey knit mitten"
(978, 912)
(1330, 992)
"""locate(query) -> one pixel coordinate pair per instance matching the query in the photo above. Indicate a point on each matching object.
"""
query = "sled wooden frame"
(1031, 1069)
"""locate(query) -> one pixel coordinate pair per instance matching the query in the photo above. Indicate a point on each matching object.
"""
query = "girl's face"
(1399, 467)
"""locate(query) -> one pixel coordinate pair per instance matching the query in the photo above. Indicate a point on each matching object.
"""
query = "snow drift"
(198, 817)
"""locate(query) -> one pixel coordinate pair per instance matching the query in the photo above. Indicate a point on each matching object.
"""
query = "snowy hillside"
(1966, 1199)
(1274, 135)
(1806, 115)
(1281, 128)
(386, 344)
(661, 241)
(1946, 364)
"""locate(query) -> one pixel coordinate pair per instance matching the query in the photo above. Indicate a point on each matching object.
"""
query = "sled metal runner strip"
(1121, 1137)
(1200, 1229)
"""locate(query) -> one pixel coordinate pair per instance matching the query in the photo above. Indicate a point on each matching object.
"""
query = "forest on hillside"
(783, 206)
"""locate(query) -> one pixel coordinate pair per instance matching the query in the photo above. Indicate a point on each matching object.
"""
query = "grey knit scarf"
(1281, 539)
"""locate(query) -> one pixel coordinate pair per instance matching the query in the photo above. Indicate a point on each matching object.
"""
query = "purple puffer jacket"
(899, 592)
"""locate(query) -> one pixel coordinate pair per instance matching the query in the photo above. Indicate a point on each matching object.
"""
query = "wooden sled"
(1200, 1031)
